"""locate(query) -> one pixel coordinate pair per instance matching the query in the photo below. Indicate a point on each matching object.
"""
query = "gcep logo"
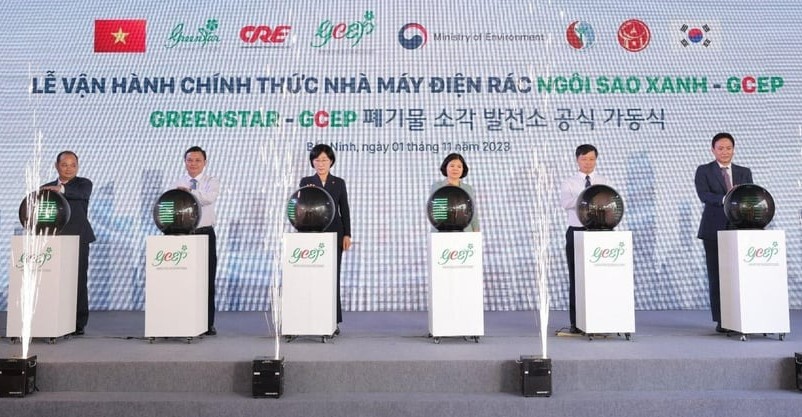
(353, 32)
(307, 255)
(412, 36)
(751, 84)
(39, 259)
(171, 257)
(754, 254)
(276, 35)
(458, 256)
(607, 254)
(322, 118)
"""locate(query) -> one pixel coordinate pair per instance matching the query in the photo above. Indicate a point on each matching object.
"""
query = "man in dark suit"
(77, 191)
(713, 181)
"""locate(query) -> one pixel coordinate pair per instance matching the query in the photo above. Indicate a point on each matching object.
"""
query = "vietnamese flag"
(120, 35)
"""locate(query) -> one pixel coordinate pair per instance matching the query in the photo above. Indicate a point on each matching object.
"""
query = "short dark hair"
(319, 149)
(586, 149)
(62, 153)
(451, 157)
(195, 149)
(720, 136)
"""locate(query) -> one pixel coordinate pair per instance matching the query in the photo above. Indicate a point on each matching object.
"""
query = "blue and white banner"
(394, 87)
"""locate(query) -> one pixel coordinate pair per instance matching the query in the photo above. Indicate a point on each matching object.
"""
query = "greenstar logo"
(204, 36)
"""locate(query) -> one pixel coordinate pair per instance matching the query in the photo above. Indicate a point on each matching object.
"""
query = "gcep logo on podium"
(323, 118)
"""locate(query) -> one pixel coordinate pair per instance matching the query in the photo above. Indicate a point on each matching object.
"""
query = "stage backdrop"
(394, 87)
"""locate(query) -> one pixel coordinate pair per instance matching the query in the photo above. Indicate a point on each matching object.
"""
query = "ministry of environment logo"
(634, 35)
(205, 35)
(580, 35)
(413, 36)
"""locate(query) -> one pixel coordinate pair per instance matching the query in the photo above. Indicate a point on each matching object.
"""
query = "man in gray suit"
(713, 181)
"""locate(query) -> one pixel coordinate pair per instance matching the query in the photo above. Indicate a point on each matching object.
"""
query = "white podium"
(309, 285)
(753, 281)
(54, 314)
(456, 285)
(605, 289)
(177, 286)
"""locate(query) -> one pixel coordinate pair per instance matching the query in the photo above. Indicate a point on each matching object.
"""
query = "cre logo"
(611, 254)
(174, 257)
(412, 36)
(456, 256)
(276, 35)
(354, 31)
(309, 255)
(765, 254)
(39, 259)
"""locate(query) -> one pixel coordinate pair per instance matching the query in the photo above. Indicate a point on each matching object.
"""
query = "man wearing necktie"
(205, 189)
(570, 189)
(713, 180)
(77, 191)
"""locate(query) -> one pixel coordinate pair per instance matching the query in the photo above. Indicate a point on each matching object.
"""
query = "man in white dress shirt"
(205, 189)
(570, 189)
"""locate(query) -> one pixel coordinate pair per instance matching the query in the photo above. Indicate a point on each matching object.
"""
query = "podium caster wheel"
(476, 339)
(151, 340)
(51, 341)
(628, 336)
(782, 336)
(590, 337)
(14, 340)
(323, 339)
(436, 340)
(189, 340)
(743, 338)
(429, 335)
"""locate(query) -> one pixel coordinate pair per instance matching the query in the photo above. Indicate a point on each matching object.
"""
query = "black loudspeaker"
(17, 377)
(798, 360)
(268, 377)
(535, 376)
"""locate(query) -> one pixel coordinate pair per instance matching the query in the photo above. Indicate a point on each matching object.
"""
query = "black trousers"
(82, 305)
(209, 231)
(569, 256)
(711, 257)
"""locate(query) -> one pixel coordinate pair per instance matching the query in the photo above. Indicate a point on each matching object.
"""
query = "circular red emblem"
(634, 35)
